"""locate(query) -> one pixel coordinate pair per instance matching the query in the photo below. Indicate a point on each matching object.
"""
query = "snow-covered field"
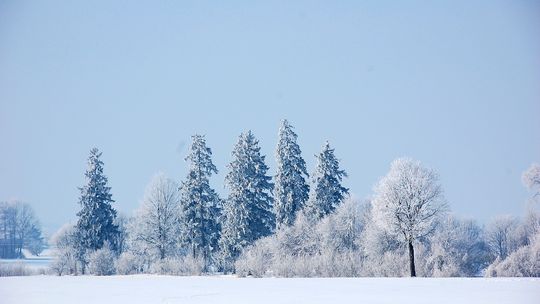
(224, 289)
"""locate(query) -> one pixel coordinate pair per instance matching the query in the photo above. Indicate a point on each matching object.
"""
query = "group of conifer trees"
(196, 219)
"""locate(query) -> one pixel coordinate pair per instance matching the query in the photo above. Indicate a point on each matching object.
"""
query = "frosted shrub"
(440, 264)
(14, 269)
(337, 264)
(525, 262)
(329, 247)
(457, 248)
(170, 266)
(65, 262)
(192, 265)
(347, 264)
(129, 263)
(491, 271)
(294, 266)
(101, 262)
(341, 230)
(301, 239)
(257, 259)
(518, 264)
(390, 264)
(154, 229)
(186, 265)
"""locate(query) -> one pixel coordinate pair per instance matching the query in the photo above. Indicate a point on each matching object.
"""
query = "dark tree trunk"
(411, 259)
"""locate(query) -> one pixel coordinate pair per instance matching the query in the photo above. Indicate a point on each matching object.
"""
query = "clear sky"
(454, 84)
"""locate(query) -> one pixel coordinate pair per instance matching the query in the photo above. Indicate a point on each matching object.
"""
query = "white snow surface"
(227, 289)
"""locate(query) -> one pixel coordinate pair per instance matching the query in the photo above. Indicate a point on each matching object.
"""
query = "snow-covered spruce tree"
(200, 204)
(290, 190)
(326, 191)
(95, 225)
(247, 212)
(407, 202)
(156, 224)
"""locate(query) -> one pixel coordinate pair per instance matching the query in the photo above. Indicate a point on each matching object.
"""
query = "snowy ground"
(222, 289)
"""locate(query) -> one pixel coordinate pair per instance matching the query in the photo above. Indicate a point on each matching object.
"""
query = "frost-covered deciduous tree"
(326, 190)
(383, 251)
(291, 189)
(129, 263)
(122, 221)
(327, 247)
(408, 202)
(248, 209)
(65, 241)
(101, 262)
(531, 178)
(299, 240)
(96, 222)
(376, 241)
(200, 204)
(19, 229)
(524, 262)
(156, 225)
(341, 230)
(457, 248)
(504, 235)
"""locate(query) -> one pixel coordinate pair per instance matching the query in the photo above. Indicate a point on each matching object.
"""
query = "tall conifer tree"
(96, 219)
(200, 204)
(326, 192)
(291, 190)
(248, 212)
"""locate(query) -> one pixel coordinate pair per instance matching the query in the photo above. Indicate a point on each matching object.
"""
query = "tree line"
(289, 224)
(19, 229)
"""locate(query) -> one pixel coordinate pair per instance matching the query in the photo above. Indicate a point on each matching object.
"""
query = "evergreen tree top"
(247, 170)
(327, 192)
(96, 182)
(200, 156)
(290, 190)
(328, 164)
(247, 160)
(95, 224)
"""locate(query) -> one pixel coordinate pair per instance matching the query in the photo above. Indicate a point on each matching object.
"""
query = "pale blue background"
(455, 85)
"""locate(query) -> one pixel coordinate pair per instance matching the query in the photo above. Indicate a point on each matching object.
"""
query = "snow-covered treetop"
(95, 225)
(291, 190)
(531, 177)
(288, 152)
(408, 200)
(200, 157)
(248, 163)
(326, 192)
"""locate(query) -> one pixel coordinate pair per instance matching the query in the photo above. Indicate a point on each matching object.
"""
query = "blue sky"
(454, 84)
